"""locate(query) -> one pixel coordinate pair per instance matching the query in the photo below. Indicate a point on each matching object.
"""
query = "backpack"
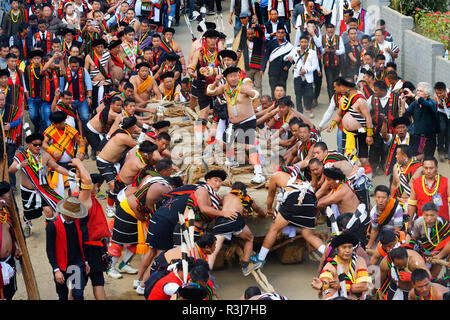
(152, 280)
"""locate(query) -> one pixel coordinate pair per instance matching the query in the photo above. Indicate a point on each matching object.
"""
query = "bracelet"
(18, 166)
(87, 186)
(192, 67)
(256, 95)
(369, 132)
(412, 202)
(334, 123)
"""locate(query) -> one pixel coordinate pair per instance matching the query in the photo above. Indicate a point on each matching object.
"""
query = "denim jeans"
(166, 15)
(237, 26)
(83, 111)
(11, 149)
(34, 105)
(303, 94)
(339, 141)
(46, 110)
(444, 134)
(78, 278)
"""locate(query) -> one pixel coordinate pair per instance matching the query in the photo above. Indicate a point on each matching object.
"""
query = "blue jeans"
(46, 110)
(237, 26)
(83, 112)
(339, 141)
(34, 105)
(166, 15)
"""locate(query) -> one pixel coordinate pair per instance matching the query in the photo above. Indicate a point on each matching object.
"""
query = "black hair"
(163, 135)
(382, 188)
(379, 57)
(115, 99)
(399, 253)
(156, 35)
(381, 22)
(251, 292)
(163, 164)
(409, 85)
(418, 275)
(440, 86)
(367, 37)
(387, 236)
(330, 26)
(404, 148)
(370, 53)
(147, 146)
(295, 120)
(175, 182)
(66, 93)
(128, 101)
(207, 239)
(314, 160)
(392, 75)
(430, 158)
(304, 37)
(354, 20)
(239, 186)
(380, 84)
(128, 85)
(430, 206)
(322, 145)
(185, 80)
(199, 273)
(392, 65)
(286, 100)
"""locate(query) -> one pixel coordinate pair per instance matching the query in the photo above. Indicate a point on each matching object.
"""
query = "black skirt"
(303, 216)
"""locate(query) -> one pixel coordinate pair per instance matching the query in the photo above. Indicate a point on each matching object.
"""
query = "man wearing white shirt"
(332, 51)
(362, 15)
(305, 62)
(284, 8)
(271, 26)
(389, 49)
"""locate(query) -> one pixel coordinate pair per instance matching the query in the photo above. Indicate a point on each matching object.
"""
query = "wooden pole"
(25, 261)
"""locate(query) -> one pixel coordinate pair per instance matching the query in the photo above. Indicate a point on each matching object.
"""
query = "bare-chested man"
(8, 249)
(128, 110)
(302, 151)
(201, 70)
(116, 66)
(342, 199)
(169, 88)
(99, 125)
(37, 197)
(355, 115)
(137, 159)
(395, 273)
(96, 63)
(356, 176)
(242, 125)
(110, 158)
(145, 87)
(238, 201)
(424, 289)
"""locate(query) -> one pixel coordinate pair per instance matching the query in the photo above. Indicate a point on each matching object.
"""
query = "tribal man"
(61, 141)
(145, 86)
(37, 196)
(242, 125)
(109, 160)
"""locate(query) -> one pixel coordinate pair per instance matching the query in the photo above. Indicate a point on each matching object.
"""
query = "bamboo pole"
(25, 261)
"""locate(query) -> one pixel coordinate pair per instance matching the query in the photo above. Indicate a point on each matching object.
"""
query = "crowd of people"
(86, 76)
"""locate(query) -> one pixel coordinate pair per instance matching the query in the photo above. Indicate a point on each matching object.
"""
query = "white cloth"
(310, 64)
(7, 272)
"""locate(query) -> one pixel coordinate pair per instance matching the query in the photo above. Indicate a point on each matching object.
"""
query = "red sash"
(69, 80)
(47, 88)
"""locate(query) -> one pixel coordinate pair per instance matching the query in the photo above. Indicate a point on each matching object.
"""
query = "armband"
(334, 123)
(209, 91)
(87, 186)
(192, 67)
(285, 125)
(256, 95)
(324, 286)
(369, 132)
(18, 166)
(412, 202)
(51, 149)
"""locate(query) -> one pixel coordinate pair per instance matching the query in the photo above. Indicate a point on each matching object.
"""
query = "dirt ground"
(293, 281)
